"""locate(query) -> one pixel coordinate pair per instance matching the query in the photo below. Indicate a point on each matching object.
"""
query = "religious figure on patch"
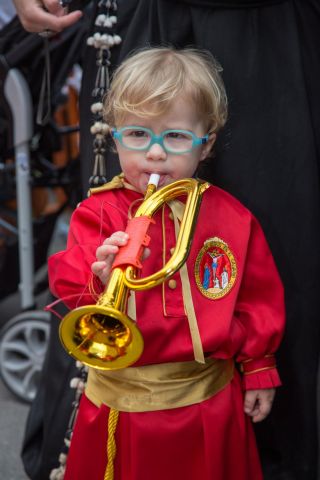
(215, 268)
(207, 276)
(224, 278)
(217, 265)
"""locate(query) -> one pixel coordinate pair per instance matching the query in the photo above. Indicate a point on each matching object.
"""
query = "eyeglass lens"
(172, 140)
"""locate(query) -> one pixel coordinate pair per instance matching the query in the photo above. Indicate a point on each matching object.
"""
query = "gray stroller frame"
(18, 97)
(24, 339)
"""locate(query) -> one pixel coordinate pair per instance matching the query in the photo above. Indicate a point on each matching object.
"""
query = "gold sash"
(158, 387)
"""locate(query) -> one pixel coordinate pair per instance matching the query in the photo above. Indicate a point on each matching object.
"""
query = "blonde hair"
(153, 77)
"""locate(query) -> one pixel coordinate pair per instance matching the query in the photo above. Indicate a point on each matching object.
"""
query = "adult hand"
(40, 15)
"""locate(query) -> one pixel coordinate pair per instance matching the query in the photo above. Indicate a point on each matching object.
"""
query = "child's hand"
(105, 255)
(258, 403)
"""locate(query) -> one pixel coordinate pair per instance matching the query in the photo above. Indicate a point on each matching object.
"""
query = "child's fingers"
(265, 405)
(111, 245)
(103, 252)
(98, 267)
(262, 413)
(102, 269)
(258, 403)
(117, 238)
(250, 400)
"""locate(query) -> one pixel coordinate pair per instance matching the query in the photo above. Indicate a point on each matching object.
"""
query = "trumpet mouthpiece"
(152, 185)
(154, 179)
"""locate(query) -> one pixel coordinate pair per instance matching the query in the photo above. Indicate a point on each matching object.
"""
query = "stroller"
(27, 167)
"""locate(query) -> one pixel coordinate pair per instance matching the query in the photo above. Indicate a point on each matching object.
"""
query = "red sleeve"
(70, 276)
(260, 310)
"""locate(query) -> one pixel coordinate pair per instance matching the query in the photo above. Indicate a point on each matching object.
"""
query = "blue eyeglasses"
(172, 141)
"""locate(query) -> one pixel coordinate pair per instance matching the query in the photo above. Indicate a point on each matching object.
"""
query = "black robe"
(268, 157)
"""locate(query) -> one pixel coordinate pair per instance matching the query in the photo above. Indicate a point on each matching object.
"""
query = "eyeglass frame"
(196, 141)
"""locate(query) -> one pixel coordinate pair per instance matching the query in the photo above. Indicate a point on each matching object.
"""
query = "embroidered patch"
(215, 268)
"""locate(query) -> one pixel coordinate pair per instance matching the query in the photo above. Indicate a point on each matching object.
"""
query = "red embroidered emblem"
(215, 268)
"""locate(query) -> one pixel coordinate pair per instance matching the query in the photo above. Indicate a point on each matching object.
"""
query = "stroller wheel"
(23, 344)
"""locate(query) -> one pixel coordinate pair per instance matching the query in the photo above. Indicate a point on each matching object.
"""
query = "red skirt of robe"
(211, 440)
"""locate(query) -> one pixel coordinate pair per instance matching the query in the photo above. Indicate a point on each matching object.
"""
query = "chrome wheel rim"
(22, 350)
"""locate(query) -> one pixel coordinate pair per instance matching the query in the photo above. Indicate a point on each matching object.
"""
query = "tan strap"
(177, 208)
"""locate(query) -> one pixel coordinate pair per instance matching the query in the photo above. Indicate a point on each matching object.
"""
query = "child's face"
(138, 165)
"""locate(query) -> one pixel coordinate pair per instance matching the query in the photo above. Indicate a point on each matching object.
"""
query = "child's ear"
(208, 146)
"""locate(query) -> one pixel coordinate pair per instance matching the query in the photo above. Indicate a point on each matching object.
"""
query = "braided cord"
(111, 444)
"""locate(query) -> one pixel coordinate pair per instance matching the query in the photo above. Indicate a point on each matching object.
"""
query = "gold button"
(171, 215)
(172, 284)
(172, 250)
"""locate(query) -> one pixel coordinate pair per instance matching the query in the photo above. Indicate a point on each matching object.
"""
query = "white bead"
(110, 40)
(67, 442)
(107, 23)
(96, 107)
(104, 39)
(116, 39)
(63, 458)
(81, 386)
(100, 19)
(105, 128)
(113, 19)
(97, 36)
(99, 106)
(74, 382)
(90, 41)
(54, 474)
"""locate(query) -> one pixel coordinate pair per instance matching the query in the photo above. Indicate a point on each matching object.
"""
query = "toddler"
(184, 409)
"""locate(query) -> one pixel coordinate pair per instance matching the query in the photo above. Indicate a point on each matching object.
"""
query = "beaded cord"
(103, 39)
(78, 383)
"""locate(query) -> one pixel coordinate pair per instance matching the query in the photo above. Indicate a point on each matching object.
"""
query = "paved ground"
(13, 412)
(12, 421)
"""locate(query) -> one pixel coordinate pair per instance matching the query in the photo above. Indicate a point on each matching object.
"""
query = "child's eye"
(177, 136)
(136, 133)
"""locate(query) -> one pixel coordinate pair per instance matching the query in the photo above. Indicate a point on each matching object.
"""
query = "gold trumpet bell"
(101, 337)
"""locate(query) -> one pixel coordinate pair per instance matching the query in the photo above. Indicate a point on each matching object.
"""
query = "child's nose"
(156, 152)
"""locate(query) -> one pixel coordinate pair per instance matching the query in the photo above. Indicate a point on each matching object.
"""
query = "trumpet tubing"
(102, 335)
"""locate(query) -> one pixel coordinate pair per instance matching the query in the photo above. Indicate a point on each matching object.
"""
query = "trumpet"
(103, 336)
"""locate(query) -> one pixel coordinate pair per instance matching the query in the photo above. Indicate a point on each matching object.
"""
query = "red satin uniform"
(238, 300)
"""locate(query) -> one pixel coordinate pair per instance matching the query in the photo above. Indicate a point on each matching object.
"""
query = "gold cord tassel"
(111, 444)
